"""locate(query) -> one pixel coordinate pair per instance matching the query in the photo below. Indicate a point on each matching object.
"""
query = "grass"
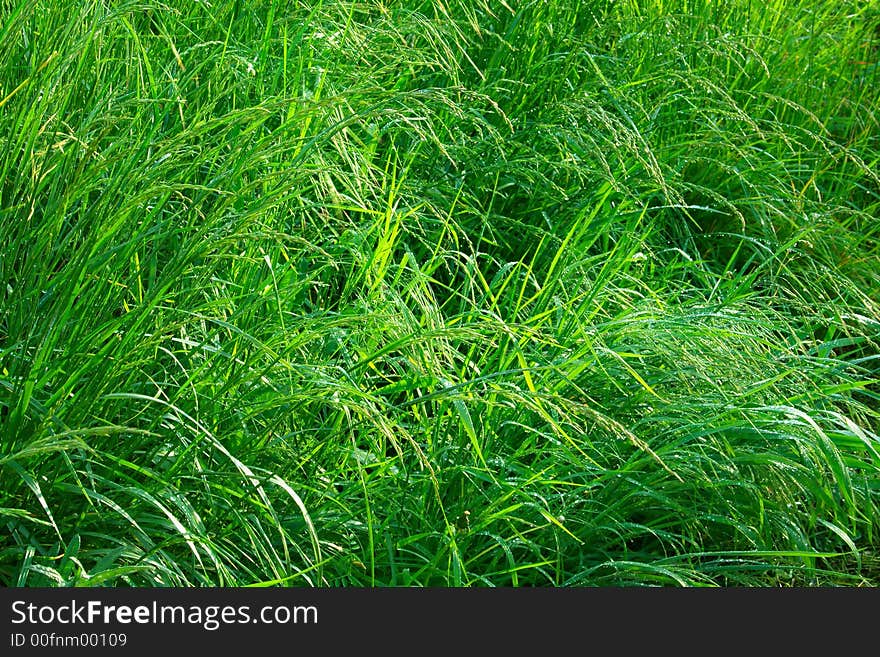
(439, 293)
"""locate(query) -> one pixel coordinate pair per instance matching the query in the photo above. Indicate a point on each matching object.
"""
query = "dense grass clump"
(439, 293)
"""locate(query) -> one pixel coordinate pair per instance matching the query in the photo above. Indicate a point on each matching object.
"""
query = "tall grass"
(439, 293)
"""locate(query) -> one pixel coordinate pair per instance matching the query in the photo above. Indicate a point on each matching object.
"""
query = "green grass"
(439, 293)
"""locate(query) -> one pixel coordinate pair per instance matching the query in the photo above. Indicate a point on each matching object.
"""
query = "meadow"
(439, 293)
